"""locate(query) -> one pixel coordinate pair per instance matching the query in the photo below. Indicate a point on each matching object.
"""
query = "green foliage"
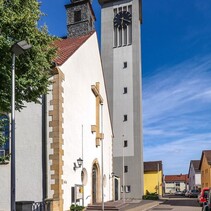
(75, 207)
(4, 122)
(18, 22)
(150, 196)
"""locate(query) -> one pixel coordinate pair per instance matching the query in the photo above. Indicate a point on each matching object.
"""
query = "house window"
(125, 143)
(125, 90)
(125, 118)
(125, 65)
(4, 133)
(125, 169)
(127, 188)
(77, 16)
(177, 184)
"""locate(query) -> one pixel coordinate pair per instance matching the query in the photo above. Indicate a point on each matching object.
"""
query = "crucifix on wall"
(99, 101)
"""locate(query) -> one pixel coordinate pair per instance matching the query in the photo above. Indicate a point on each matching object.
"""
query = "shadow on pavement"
(181, 201)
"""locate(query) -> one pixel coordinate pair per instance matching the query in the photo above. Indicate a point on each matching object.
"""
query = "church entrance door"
(94, 184)
(116, 188)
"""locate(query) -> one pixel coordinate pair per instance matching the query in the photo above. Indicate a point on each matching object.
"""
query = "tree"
(4, 136)
(19, 21)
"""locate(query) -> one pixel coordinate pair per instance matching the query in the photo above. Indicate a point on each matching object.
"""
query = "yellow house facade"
(153, 177)
(205, 167)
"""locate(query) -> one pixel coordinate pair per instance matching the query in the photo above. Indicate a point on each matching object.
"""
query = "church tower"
(80, 18)
(121, 58)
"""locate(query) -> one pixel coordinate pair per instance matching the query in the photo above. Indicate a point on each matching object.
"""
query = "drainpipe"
(44, 149)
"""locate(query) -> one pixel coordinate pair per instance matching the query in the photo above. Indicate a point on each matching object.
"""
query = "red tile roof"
(67, 47)
(176, 178)
(152, 166)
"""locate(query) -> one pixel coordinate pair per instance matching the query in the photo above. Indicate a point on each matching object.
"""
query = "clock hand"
(126, 20)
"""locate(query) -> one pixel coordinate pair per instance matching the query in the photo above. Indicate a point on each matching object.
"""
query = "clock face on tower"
(122, 19)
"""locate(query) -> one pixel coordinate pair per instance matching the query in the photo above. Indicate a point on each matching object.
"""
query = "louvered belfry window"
(122, 36)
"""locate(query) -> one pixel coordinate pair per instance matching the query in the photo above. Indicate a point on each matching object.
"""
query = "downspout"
(44, 149)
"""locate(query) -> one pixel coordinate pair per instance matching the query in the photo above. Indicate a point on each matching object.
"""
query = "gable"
(206, 154)
(67, 47)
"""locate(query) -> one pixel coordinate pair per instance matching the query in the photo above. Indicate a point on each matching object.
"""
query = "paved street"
(178, 204)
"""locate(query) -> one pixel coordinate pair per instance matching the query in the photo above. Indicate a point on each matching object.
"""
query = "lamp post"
(102, 178)
(17, 49)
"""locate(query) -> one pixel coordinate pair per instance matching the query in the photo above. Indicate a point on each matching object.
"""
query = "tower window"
(122, 188)
(125, 65)
(125, 90)
(130, 27)
(125, 169)
(77, 16)
(125, 118)
(125, 143)
(127, 188)
(90, 22)
(122, 35)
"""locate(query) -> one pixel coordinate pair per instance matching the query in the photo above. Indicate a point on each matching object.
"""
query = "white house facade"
(175, 183)
(194, 175)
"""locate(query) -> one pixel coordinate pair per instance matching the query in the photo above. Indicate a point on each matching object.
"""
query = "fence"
(33, 206)
(41, 206)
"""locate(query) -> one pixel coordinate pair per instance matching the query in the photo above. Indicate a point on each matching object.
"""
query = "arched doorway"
(96, 181)
(94, 184)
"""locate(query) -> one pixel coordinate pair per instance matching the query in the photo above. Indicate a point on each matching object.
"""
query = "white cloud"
(177, 113)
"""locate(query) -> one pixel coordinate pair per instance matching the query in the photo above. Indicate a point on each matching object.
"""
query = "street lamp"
(17, 49)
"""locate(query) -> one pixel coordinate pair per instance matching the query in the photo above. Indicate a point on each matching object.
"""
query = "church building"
(64, 145)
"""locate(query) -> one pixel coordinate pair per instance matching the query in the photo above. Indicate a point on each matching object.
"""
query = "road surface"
(178, 204)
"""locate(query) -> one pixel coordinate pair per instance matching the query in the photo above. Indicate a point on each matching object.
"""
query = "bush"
(150, 196)
(76, 207)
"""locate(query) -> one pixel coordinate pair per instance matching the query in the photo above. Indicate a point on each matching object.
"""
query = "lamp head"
(19, 47)
(80, 162)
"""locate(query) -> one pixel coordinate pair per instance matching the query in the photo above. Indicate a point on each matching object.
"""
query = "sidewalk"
(142, 205)
(126, 205)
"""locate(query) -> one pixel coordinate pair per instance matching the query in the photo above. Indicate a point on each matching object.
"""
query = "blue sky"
(176, 69)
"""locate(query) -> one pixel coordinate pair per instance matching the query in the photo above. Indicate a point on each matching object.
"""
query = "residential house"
(153, 177)
(194, 175)
(175, 183)
(205, 168)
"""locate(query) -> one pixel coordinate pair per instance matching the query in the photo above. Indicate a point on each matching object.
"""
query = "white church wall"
(29, 153)
(82, 70)
(28, 158)
(5, 187)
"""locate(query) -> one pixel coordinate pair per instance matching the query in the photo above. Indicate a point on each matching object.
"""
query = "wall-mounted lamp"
(79, 162)
(112, 175)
